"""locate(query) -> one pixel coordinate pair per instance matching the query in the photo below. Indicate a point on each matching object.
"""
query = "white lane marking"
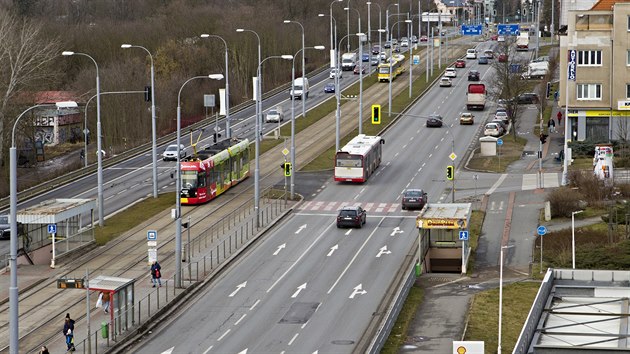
(292, 339)
(332, 250)
(299, 290)
(348, 232)
(357, 290)
(238, 288)
(223, 335)
(355, 256)
(254, 305)
(280, 248)
(240, 319)
(300, 228)
(383, 250)
(496, 184)
(208, 350)
(300, 257)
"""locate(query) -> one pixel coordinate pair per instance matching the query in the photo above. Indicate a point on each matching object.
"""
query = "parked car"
(434, 121)
(352, 216)
(171, 152)
(488, 53)
(274, 115)
(504, 126)
(473, 75)
(5, 227)
(334, 72)
(376, 49)
(460, 63)
(503, 58)
(466, 118)
(329, 88)
(414, 199)
(503, 116)
(493, 129)
(527, 98)
(471, 53)
(361, 67)
(446, 82)
(450, 72)
(424, 39)
(483, 60)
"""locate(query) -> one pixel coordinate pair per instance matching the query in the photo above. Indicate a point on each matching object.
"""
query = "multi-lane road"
(311, 287)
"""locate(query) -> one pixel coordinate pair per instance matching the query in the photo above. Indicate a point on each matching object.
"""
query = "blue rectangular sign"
(52, 228)
(505, 29)
(463, 235)
(571, 73)
(474, 30)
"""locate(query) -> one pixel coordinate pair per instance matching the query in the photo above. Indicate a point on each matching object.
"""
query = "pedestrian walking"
(551, 125)
(103, 301)
(559, 115)
(156, 273)
(44, 350)
(68, 332)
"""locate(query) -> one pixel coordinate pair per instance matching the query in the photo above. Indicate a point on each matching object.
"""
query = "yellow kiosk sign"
(441, 223)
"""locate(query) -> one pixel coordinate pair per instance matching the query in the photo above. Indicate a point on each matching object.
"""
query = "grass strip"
(407, 313)
(510, 151)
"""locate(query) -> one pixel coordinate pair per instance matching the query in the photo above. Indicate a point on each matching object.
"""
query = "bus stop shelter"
(121, 295)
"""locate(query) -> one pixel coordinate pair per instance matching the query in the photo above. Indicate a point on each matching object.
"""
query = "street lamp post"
(360, 36)
(13, 288)
(303, 75)
(389, 105)
(153, 121)
(318, 47)
(99, 159)
(380, 26)
(573, 235)
(348, 26)
(257, 131)
(228, 132)
(387, 38)
(501, 297)
(332, 43)
(335, 64)
(178, 182)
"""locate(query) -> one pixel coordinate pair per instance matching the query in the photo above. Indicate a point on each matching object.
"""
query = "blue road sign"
(515, 68)
(472, 30)
(572, 64)
(463, 235)
(504, 29)
(499, 141)
(52, 228)
(541, 230)
(151, 235)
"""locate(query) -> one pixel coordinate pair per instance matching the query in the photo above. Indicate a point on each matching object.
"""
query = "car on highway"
(334, 72)
(394, 41)
(434, 121)
(466, 118)
(404, 42)
(396, 48)
(527, 98)
(351, 216)
(387, 45)
(362, 67)
(329, 88)
(376, 49)
(424, 39)
(450, 72)
(375, 60)
(365, 57)
(460, 63)
(5, 228)
(473, 75)
(488, 53)
(494, 37)
(414, 199)
(482, 60)
(414, 39)
(446, 82)
(502, 58)
(170, 154)
(382, 56)
(471, 53)
(501, 39)
(493, 129)
(274, 115)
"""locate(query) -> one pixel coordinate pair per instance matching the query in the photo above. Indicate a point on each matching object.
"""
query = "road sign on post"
(463, 235)
(52, 228)
(472, 30)
(541, 230)
(507, 29)
(151, 235)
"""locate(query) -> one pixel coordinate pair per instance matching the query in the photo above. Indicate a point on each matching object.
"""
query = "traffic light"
(548, 91)
(147, 94)
(450, 172)
(376, 114)
(543, 137)
(287, 169)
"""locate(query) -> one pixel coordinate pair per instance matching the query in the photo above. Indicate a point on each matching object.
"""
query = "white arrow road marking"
(396, 230)
(300, 228)
(332, 250)
(279, 249)
(383, 250)
(348, 232)
(244, 351)
(238, 287)
(168, 351)
(299, 289)
(357, 290)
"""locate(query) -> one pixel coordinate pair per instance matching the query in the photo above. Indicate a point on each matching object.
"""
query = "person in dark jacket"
(68, 332)
(156, 273)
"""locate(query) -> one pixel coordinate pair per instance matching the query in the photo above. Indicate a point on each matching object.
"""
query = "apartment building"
(599, 99)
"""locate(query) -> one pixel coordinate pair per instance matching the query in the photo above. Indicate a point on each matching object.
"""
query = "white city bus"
(356, 161)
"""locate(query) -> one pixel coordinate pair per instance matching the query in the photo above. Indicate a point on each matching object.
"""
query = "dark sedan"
(473, 75)
(434, 121)
(414, 199)
(329, 88)
(351, 216)
(527, 98)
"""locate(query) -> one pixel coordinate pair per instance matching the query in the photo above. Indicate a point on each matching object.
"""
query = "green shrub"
(563, 201)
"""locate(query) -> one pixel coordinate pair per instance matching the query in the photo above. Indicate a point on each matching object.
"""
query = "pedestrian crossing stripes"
(372, 207)
(550, 180)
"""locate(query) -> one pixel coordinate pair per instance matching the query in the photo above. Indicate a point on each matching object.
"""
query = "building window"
(628, 58)
(628, 23)
(589, 91)
(589, 58)
(627, 91)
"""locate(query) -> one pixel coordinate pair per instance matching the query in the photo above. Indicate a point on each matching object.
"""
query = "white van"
(300, 88)
(471, 53)
(274, 115)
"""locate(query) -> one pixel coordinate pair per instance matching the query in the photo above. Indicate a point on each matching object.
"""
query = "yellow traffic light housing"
(376, 114)
(450, 172)
(287, 169)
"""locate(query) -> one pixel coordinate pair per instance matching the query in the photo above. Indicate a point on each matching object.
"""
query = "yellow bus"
(384, 69)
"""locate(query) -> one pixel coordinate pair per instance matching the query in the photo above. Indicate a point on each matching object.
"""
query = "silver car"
(171, 152)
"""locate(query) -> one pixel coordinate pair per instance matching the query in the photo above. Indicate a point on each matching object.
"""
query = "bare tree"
(26, 57)
(506, 84)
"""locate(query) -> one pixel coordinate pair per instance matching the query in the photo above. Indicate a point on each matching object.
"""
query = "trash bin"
(104, 329)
